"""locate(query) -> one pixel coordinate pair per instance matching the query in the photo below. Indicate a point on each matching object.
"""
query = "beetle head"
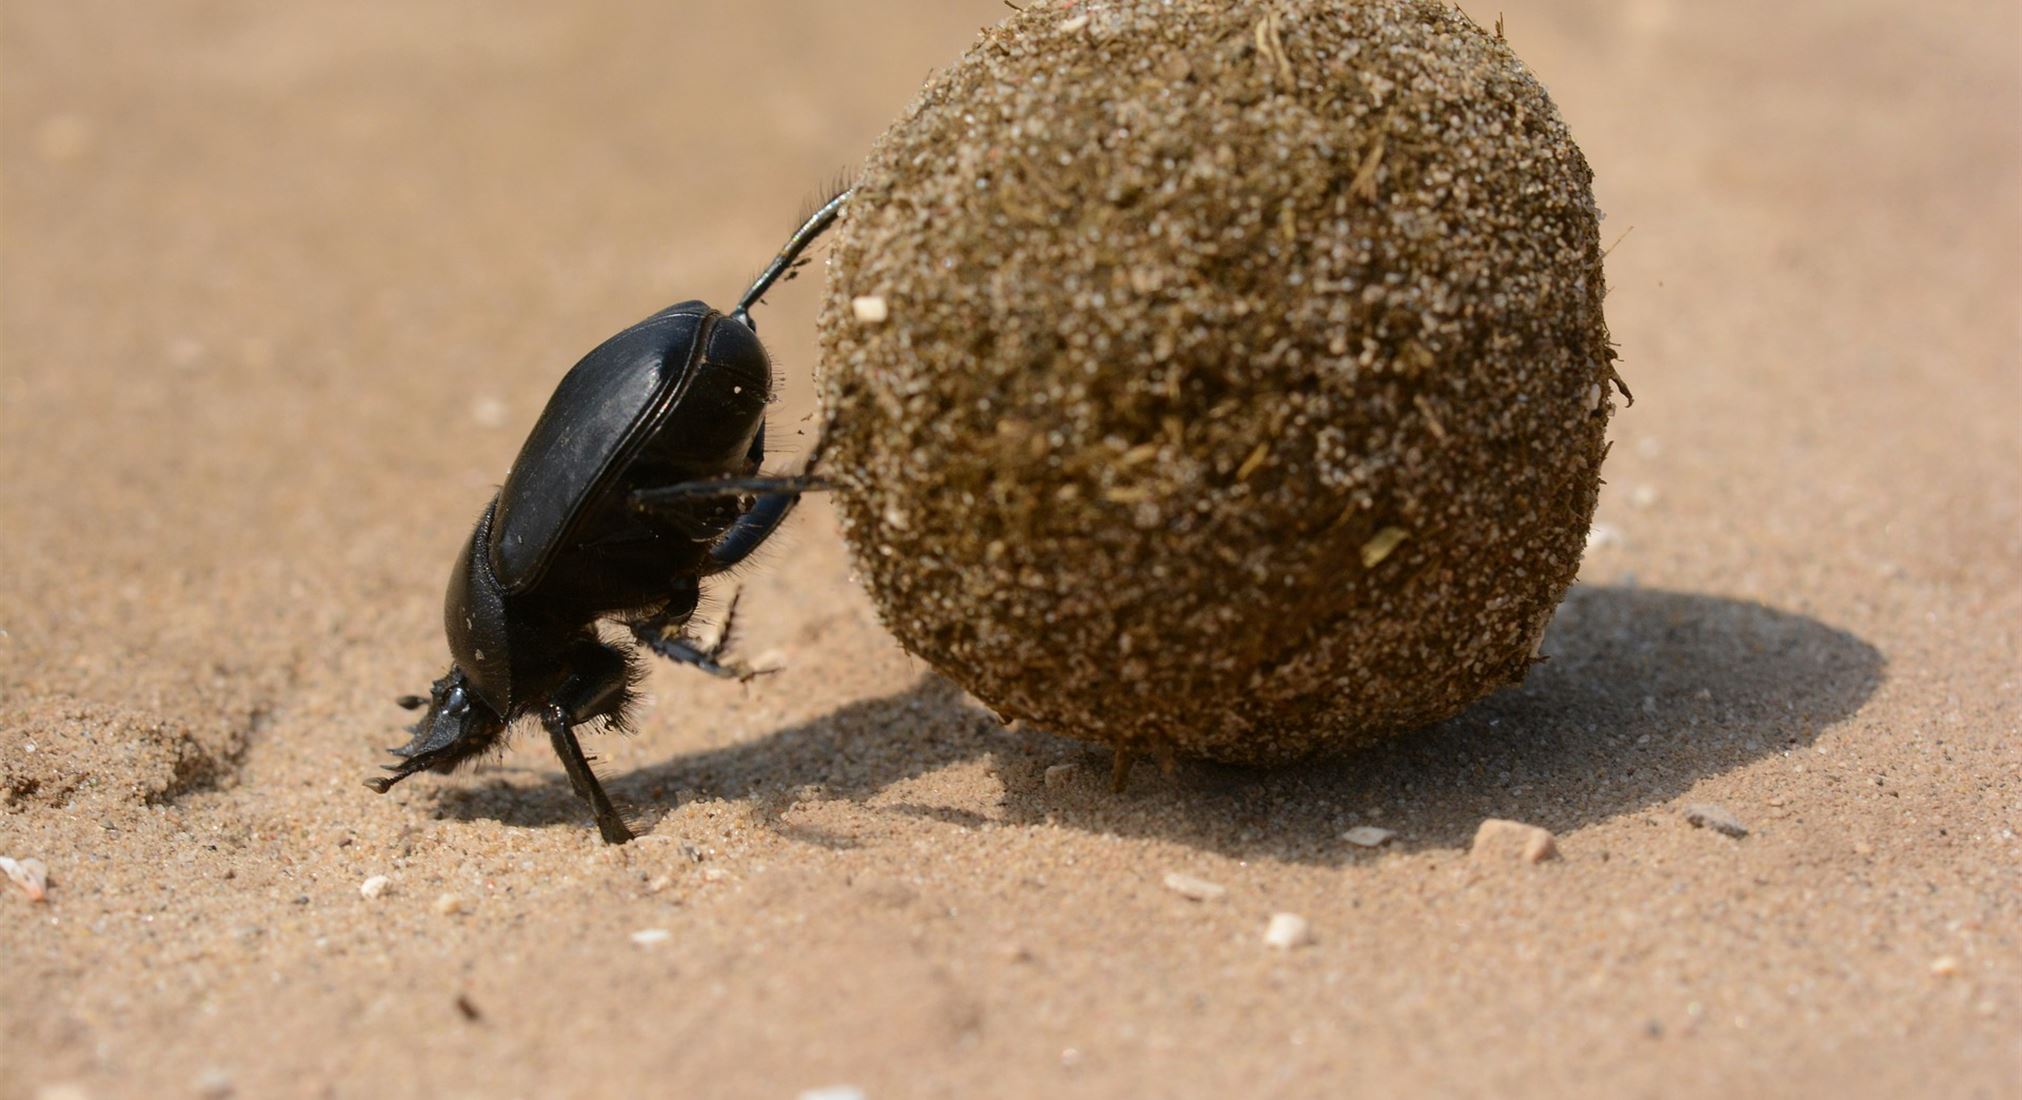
(474, 623)
(456, 726)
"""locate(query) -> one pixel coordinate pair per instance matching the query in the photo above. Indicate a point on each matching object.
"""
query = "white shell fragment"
(1287, 931)
(31, 875)
(1367, 836)
(374, 886)
(870, 309)
(1192, 888)
(647, 937)
(1706, 815)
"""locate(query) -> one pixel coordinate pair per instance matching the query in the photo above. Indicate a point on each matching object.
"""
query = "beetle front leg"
(610, 822)
(598, 688)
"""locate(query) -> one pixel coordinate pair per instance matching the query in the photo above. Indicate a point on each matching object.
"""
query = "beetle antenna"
(816, 224)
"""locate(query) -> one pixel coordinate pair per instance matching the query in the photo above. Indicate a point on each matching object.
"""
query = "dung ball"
(1221, 378)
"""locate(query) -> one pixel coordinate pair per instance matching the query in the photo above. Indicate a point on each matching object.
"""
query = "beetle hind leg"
(783, 264)
(776, 497)
(751, 530)
(688, 493)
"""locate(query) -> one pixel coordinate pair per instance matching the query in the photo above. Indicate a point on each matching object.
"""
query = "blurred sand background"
(282, 286)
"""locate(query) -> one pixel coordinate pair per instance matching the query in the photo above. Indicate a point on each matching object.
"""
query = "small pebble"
(31, 875)
(1705, 815)
(215, 1084)
(647, 937)
(1945, 966)
(1059, 776)
(1497, 839)
(449, 905)
(1381, 545)
(833, 1092)
(1288, 930)
(1367, 836)
(1196, 889)
(870, 309)
(374, 886)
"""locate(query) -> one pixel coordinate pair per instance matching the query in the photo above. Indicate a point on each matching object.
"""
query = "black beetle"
(640, 479)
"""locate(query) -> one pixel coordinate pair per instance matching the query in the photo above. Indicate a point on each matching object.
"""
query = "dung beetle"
(640, 479)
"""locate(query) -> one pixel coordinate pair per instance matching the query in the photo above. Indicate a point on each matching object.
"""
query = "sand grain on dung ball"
(1240, 383)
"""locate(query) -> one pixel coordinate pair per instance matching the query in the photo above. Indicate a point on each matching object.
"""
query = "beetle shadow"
(854, 752)
(1645, 694)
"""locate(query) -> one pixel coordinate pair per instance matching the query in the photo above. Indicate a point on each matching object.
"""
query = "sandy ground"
(284, 285)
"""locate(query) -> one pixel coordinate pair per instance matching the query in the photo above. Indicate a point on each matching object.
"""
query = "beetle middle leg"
(599, 686)
(666, 634)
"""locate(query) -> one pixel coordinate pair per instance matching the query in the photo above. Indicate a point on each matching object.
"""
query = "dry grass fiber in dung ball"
(1221, 378)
